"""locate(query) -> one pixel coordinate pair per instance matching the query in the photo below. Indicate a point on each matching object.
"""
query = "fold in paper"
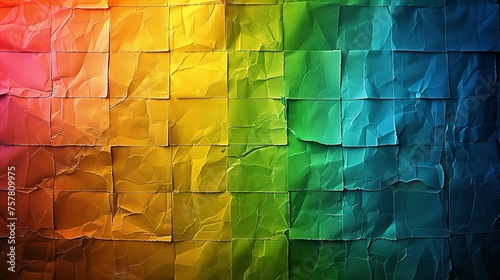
(197, 27)
(199, 121)
(312, 166)
(315, 121)
(82, 169)
(199, 168)
(472, 74)
(139, 75)
(25, 27)
(80, 121)
(138, 122)
(255, 74)
(259, 215)
(80, 30)
(15, 80)
(421, 163)
(202, 216)
(266, 165)
(142, 169)
(312, 74)
(209, 69)
(310, 26)
(257, 122)
(254, 27)
(24, 121)
(139, 29)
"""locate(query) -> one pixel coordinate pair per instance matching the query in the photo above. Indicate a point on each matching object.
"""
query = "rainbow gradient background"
(251, 139)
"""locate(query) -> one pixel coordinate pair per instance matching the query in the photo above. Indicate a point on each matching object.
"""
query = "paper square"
(139, 29)
(257, 121)
(254, 27)
(209, 69)
(198, 121)
(80, 74)
(138, 122)
(266, 165)
(472, 74)
(139, 75)
(199, 168)
(80, 121)
(142, 260)
(80, 30)
(313, 166)
(203, 259)
(255, 74)
(315, 120)
(313, 259)
(202, 216)
(142, 169)
(197, 28)
(143, 216)
(421, 164)
(310, 26)
(259, 215)
(15, 80)
(41, 263)
(312, 74)
(263, 259)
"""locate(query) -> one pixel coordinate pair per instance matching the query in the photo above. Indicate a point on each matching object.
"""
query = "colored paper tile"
(470, 119)
(35, 257)
(142, 169)
(147, 3)
(367, 74)
(25, 27)
(34, 166)
(257, 121)
(15, 80)
(473, 169)
(472, 28)
(255, 74)
(197, 28)
(266, 165)
(80, 30)
(368, 215)
(364, 28)
(409, 224)
(310, 26)
(33, 213)
(403, 259)
(80, 121)
(418, 29)
(368, 123)
(254, 27)
(199, 216)
(69, 220)
(312, 74)
(259, 215)
(24, 121)
(80, 74)
(474, 256)
(143, 216)
(312, 166)
(420, 3)
(82, 169)
(138, 122)
(139, 74)
(199, 168)
(421, 163)
(316, 215)
(317, 260)
(370, 168)
(203, 259)
(144, 260)
(199, 122)
(74, 257)
(420, 121)
(139, 29)
(421, 75)
(209, 69)
(472, 74)
(315, 120)
(262, 259)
